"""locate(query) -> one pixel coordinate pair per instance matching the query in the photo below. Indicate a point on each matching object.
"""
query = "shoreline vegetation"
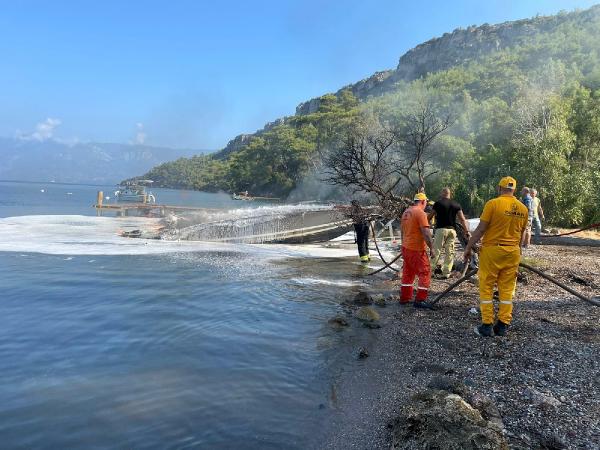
(523, 98)
(426, 378)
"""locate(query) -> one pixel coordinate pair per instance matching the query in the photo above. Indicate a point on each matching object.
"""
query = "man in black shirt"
(446, 211)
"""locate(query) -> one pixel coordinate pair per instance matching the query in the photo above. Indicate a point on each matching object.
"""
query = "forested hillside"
(523, 97)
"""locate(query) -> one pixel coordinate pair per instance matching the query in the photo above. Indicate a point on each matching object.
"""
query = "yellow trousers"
(498, 265)
(443, 239)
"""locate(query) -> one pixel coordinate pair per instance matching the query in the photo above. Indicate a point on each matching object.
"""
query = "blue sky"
(197, 73)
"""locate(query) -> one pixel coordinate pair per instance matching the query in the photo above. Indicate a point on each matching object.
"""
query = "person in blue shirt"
(527, 200)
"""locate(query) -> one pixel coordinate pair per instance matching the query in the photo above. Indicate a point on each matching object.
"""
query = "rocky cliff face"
(450, 50)
(242, 140)
(361, 90)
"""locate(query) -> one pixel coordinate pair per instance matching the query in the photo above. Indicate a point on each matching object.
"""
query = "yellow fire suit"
(500, 255)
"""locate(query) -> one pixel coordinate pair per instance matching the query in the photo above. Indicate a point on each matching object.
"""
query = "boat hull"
(304, 226)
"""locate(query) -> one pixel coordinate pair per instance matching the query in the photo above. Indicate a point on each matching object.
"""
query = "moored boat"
(135, 191)
(242, 196)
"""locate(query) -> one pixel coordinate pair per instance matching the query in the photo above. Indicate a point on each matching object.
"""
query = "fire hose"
(594, 225)
(386, 264)
(472, 272)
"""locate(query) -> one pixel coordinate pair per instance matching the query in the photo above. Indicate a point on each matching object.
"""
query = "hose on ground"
(472, 272)
(559, 284)
(381, 256)
(461, 280)
(594, 225)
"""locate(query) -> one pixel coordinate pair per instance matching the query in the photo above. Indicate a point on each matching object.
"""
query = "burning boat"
(281, 224)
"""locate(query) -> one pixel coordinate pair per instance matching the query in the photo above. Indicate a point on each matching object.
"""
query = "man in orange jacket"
(502, 224)
(416, 238)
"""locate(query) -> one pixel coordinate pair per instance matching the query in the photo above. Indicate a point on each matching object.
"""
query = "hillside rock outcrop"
(459, 47)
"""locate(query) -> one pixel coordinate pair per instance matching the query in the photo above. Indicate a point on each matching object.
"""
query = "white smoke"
(140, 135)
(43, 131)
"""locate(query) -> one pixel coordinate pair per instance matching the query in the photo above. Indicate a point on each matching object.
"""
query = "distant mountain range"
(47, 160)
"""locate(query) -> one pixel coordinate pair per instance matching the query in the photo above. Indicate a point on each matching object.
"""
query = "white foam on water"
(321, 281)
(88, 235)
(85, 235)
(311, 250)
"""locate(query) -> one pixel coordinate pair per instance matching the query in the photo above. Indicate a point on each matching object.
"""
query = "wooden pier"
(155, 209)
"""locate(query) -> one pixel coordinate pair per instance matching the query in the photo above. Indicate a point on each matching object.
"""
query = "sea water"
(107, 341)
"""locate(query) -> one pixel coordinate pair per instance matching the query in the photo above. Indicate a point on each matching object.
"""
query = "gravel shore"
(543, 376)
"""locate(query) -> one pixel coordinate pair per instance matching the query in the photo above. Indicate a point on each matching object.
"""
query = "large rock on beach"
(367, 314)
(362, 298)
(442, 420)
(379, 299)
(338, 322)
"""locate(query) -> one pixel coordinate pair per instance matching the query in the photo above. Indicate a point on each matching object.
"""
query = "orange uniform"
(414, 255)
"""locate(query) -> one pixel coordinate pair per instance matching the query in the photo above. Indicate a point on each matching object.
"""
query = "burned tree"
(385, 160)
(418, 130)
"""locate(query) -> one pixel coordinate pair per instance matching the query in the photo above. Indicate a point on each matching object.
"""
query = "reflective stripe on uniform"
(506, 302)
(485, 302)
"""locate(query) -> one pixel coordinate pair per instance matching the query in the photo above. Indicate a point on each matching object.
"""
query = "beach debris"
(362, 353)
(444, 420)
(541, 400)
(473, 311)
(367, 314)
(522, 277)
(132, 234)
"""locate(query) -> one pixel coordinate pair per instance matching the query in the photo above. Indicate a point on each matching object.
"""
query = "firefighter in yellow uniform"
(501, 225)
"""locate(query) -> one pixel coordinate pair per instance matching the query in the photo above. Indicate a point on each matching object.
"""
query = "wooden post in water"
(99, 200)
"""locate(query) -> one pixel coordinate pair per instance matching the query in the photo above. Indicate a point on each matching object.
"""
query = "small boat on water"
(135, 191)
(247, 197)
(242, 196)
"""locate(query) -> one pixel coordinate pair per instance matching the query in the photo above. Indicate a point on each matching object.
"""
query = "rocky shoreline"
(536, 388)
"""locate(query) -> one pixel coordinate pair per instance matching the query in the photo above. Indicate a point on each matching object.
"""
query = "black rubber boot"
(484, 330)
(500, 328)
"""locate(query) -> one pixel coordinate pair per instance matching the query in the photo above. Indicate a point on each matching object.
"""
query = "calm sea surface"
(125, 343)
